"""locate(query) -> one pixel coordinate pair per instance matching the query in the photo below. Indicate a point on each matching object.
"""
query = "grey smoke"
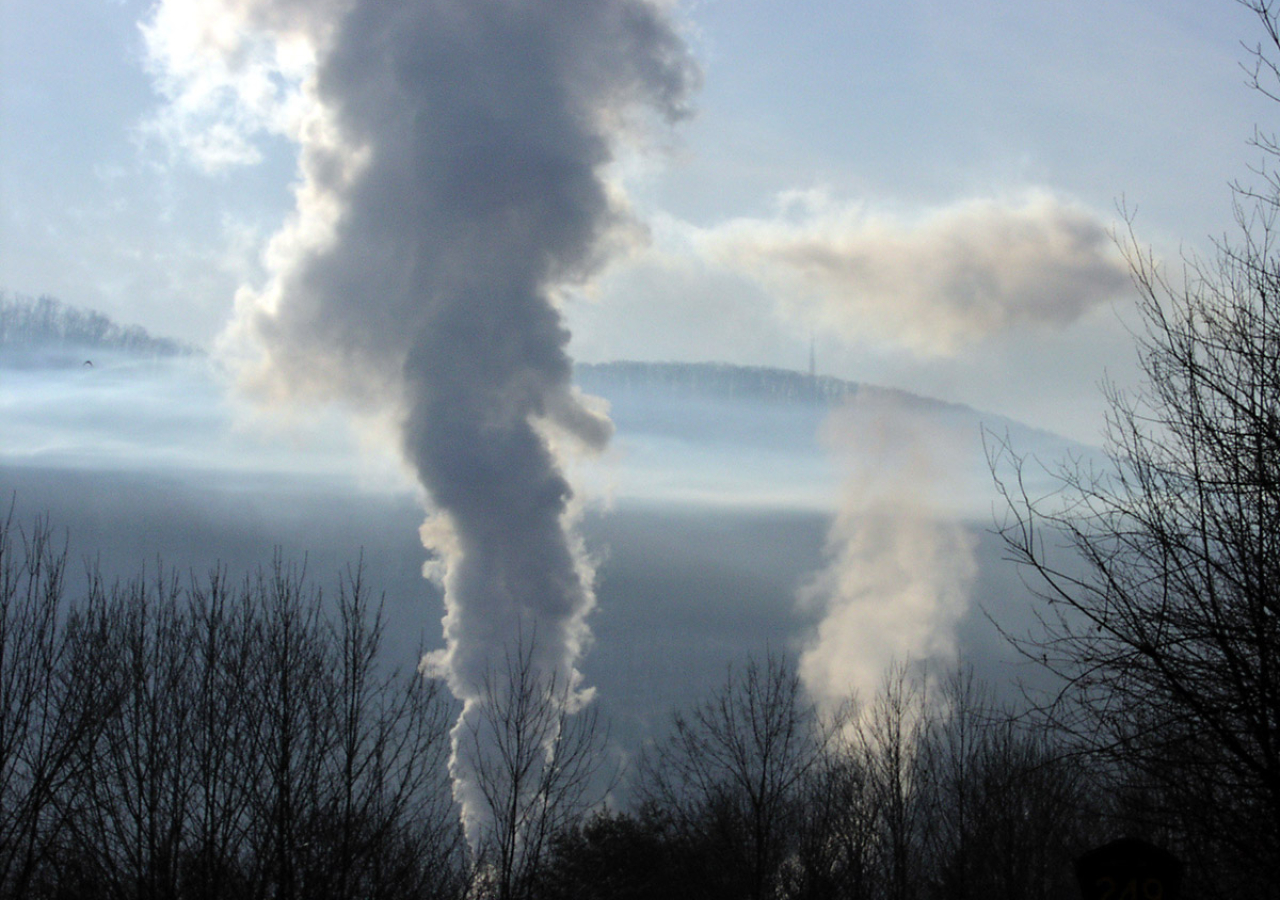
(453, 159)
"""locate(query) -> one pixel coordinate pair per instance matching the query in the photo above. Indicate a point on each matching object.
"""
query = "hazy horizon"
(735, 479)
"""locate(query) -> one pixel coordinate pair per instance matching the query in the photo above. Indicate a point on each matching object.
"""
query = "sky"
(920, 189)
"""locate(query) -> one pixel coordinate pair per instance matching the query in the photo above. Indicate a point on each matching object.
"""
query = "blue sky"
(864, 122)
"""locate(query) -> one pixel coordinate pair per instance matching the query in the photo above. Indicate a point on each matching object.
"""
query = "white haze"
(723, 508)
(454, 183)
(901, 553)
(95, 409)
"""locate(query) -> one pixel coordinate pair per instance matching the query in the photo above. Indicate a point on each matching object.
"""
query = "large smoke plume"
(452, 177)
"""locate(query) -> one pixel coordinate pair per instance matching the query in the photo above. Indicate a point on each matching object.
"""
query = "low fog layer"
(738, 509)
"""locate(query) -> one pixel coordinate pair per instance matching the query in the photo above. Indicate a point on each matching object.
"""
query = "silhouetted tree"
(1005, 811)
(55, 700)
(890, 737)
(620, 856)
(1163, 621)
(158, 741)
(388, 825)
(732, 775)
(835, 855)
(537, 755)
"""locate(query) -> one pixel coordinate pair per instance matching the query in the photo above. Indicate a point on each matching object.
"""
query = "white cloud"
(931, 284)
(226, 78)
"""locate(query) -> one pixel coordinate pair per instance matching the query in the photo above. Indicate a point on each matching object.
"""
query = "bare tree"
(352, 798)
(537, 760)
(387, 816)
(836, 851)
(224, 770)
(130, 803)
(734, 768)
(1164, 623)
(294, 731)
(158, 741)
(54, 700)
(1162, 613)
(890, 737)
(32, 761)
(1005, 812)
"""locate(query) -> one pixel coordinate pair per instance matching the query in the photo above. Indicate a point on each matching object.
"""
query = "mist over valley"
(720, 505)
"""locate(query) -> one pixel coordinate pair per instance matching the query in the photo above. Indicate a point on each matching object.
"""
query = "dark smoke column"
(452, 178)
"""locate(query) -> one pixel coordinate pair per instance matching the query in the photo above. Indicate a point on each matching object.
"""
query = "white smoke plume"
(932, 284)
(452, 158)
(901, 564)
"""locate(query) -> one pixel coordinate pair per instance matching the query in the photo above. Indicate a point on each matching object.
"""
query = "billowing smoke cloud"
(452, 178)
(934, 284)
(900, 564)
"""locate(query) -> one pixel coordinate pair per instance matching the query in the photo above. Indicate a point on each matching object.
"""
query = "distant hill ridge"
(790, 390)
(723, 379)
(743, 382)
(40, 323)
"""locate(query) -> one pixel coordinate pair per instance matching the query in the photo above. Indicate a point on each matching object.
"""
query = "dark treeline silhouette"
(755, 793)
(162, 740)
(207, 739)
